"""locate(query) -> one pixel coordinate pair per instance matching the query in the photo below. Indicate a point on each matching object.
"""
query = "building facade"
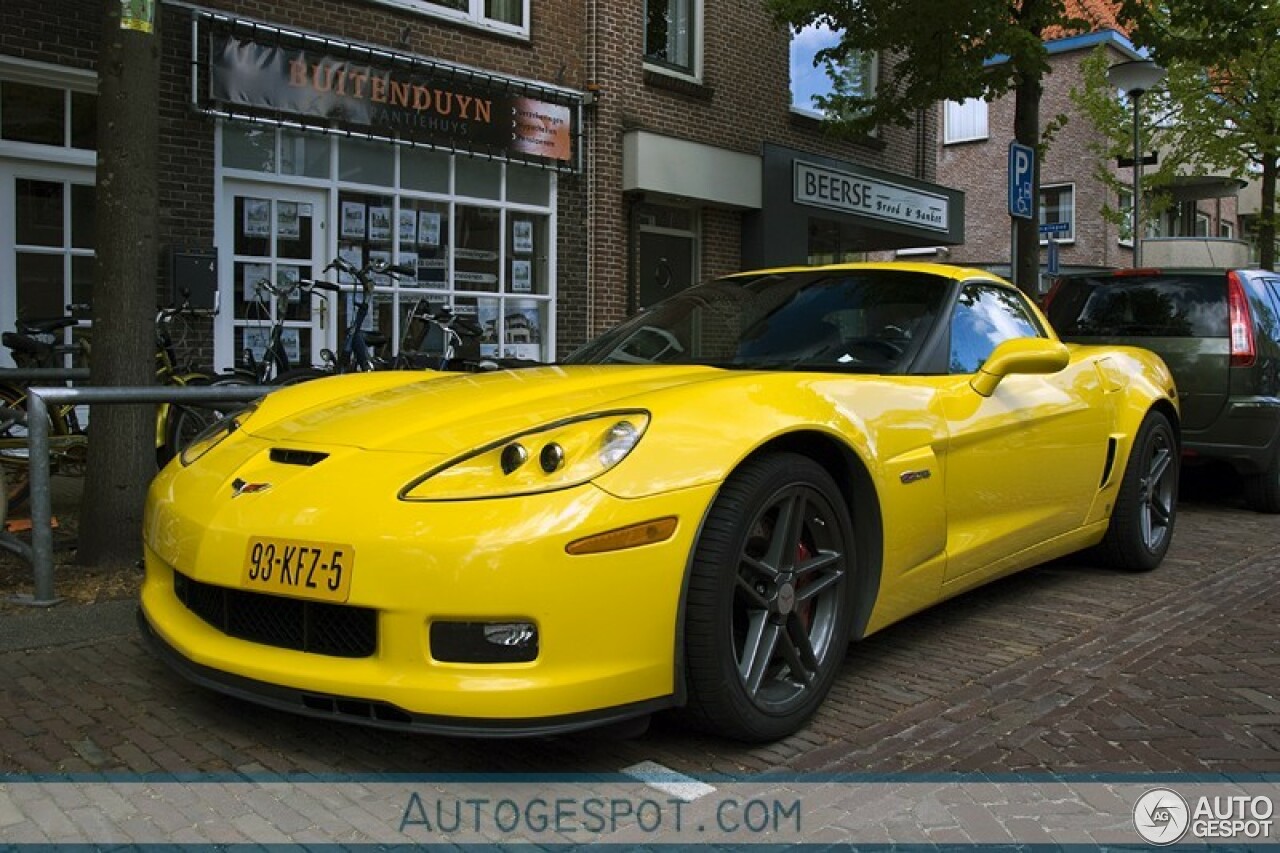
(973, 146)
(546, 167)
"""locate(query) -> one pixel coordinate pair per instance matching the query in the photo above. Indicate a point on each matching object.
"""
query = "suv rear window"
(1168, 305)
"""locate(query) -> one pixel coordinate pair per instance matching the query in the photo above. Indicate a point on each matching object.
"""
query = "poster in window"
(380, 256)
(487, 316)
(380, 224)
(288, 225)
(287, 278)
(353, 255)
(257, 217)
(251, 275)
(522, 330)
(428, 228)
(408, 228)
(521, 276)
(353, 213)
(522, 236)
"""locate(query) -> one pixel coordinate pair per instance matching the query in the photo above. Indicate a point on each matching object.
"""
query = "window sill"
(975, 140)
(679, 84)
(814, 124)
(506, 31)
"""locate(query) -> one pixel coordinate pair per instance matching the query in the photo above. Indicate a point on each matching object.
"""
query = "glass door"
(270, 238)
(46, 245)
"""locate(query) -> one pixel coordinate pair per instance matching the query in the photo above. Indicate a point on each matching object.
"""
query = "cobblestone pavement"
(1066, 668)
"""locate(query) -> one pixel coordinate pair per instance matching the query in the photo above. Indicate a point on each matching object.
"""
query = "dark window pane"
(38, 211)
(83, 216)
(84, 121)
(33, 114)
(82, 267)
(40, 286)
(507, 11)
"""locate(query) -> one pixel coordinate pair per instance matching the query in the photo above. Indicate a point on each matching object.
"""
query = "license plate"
(299, 568)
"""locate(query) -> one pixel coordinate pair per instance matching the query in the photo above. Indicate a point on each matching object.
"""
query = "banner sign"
(397, 99)
(820, 186)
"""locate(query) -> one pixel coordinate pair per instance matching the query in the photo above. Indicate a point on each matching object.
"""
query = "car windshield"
(1166, 305)
(869, 321)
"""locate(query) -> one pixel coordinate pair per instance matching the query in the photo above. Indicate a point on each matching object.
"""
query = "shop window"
(304, 154)
(507, 15)
(424, 169)
(528, 186)
(669, 35)
(478, 178)
(1057, 204)
(255, 148)
(44, 115)
(964, 121)
(363, 161)
(814, 79)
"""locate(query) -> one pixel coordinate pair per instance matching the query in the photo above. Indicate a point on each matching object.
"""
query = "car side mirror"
(1019, 355)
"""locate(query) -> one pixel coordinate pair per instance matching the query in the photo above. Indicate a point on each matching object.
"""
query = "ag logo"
(1161, 816)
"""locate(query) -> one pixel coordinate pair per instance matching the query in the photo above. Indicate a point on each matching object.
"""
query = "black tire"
(760, 586)
(300, 374)
(1142, 520)
(1262, 490)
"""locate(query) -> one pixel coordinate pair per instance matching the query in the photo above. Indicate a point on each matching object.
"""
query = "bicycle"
(438, 339)
(356, 354)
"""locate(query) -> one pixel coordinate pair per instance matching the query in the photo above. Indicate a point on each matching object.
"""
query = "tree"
(1224, 87)
(122, 449)
(942, 50)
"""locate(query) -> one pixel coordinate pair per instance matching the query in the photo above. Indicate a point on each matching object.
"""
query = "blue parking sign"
(1022, 162)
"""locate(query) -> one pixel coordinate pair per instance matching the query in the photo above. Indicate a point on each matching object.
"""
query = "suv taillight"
(1243, 353)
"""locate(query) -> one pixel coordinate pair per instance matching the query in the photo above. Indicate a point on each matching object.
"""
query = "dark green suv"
(1219, 332)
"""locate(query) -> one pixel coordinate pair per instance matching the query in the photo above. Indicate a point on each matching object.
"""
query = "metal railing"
(38, 401)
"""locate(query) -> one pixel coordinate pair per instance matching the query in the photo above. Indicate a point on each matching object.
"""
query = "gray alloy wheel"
(1146, 507)
(767, 620)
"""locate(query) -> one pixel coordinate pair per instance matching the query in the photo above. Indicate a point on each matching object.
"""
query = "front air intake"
(305, 458)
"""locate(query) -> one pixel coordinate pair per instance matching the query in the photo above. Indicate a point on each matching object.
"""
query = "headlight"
(212, 435)
(557, 456)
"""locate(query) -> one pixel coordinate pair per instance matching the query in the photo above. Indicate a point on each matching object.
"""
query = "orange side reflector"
(631, 536)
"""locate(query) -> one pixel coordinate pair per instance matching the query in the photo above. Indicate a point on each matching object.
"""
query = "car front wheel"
(768, 613)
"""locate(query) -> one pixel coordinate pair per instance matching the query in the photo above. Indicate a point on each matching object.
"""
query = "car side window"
(986, 316)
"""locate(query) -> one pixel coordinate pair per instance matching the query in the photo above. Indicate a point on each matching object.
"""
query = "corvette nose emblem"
(240, 487)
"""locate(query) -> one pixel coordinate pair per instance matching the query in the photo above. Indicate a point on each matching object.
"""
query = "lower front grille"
(317, 627)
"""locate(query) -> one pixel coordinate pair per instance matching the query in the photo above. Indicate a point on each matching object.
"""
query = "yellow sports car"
(698, 510)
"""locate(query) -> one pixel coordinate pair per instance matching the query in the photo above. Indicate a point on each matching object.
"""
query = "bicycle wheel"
(185, 421)
(15, 448)
(300, 374)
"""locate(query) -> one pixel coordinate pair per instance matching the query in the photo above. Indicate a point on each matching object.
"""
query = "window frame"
(691, 72)
(1226, 229)
(950, 107)
(473, 17)
(1069, 237)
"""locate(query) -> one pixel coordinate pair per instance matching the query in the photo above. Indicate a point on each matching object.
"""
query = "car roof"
(949, 271)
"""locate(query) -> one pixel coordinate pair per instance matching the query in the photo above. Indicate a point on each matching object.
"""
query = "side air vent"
(305, 458)
(1110, 464)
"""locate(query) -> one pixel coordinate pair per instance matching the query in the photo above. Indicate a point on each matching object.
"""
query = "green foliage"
(940, 50)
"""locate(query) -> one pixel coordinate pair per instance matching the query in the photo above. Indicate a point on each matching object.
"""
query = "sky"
(806, 80)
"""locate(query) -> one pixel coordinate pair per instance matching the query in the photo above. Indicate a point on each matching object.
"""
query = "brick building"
(973, 147)
(547, 166)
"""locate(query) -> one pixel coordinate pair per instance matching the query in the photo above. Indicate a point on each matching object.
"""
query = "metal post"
(41, 501)
(1137, 178)
(38, 400)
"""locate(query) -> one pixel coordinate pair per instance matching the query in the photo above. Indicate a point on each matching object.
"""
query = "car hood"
(451, 413)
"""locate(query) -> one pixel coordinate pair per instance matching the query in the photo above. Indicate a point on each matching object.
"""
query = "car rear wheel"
(1146, 506)
(768, 612)
(1262, 491)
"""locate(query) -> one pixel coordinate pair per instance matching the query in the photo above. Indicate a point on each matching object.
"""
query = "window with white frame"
(670, 35)
(964, 121)
(1125, 205)
(1058, 205)
(1227, 230)
(813, 79)
(1202, 224)
(507, 15)
(479, 232)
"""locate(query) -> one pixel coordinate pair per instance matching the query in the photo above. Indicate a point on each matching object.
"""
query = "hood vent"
(305, 458)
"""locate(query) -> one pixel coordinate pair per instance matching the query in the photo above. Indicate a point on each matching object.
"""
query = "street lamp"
(1135, 78)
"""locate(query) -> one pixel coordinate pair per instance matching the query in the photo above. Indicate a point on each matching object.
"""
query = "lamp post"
(1135, 78)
